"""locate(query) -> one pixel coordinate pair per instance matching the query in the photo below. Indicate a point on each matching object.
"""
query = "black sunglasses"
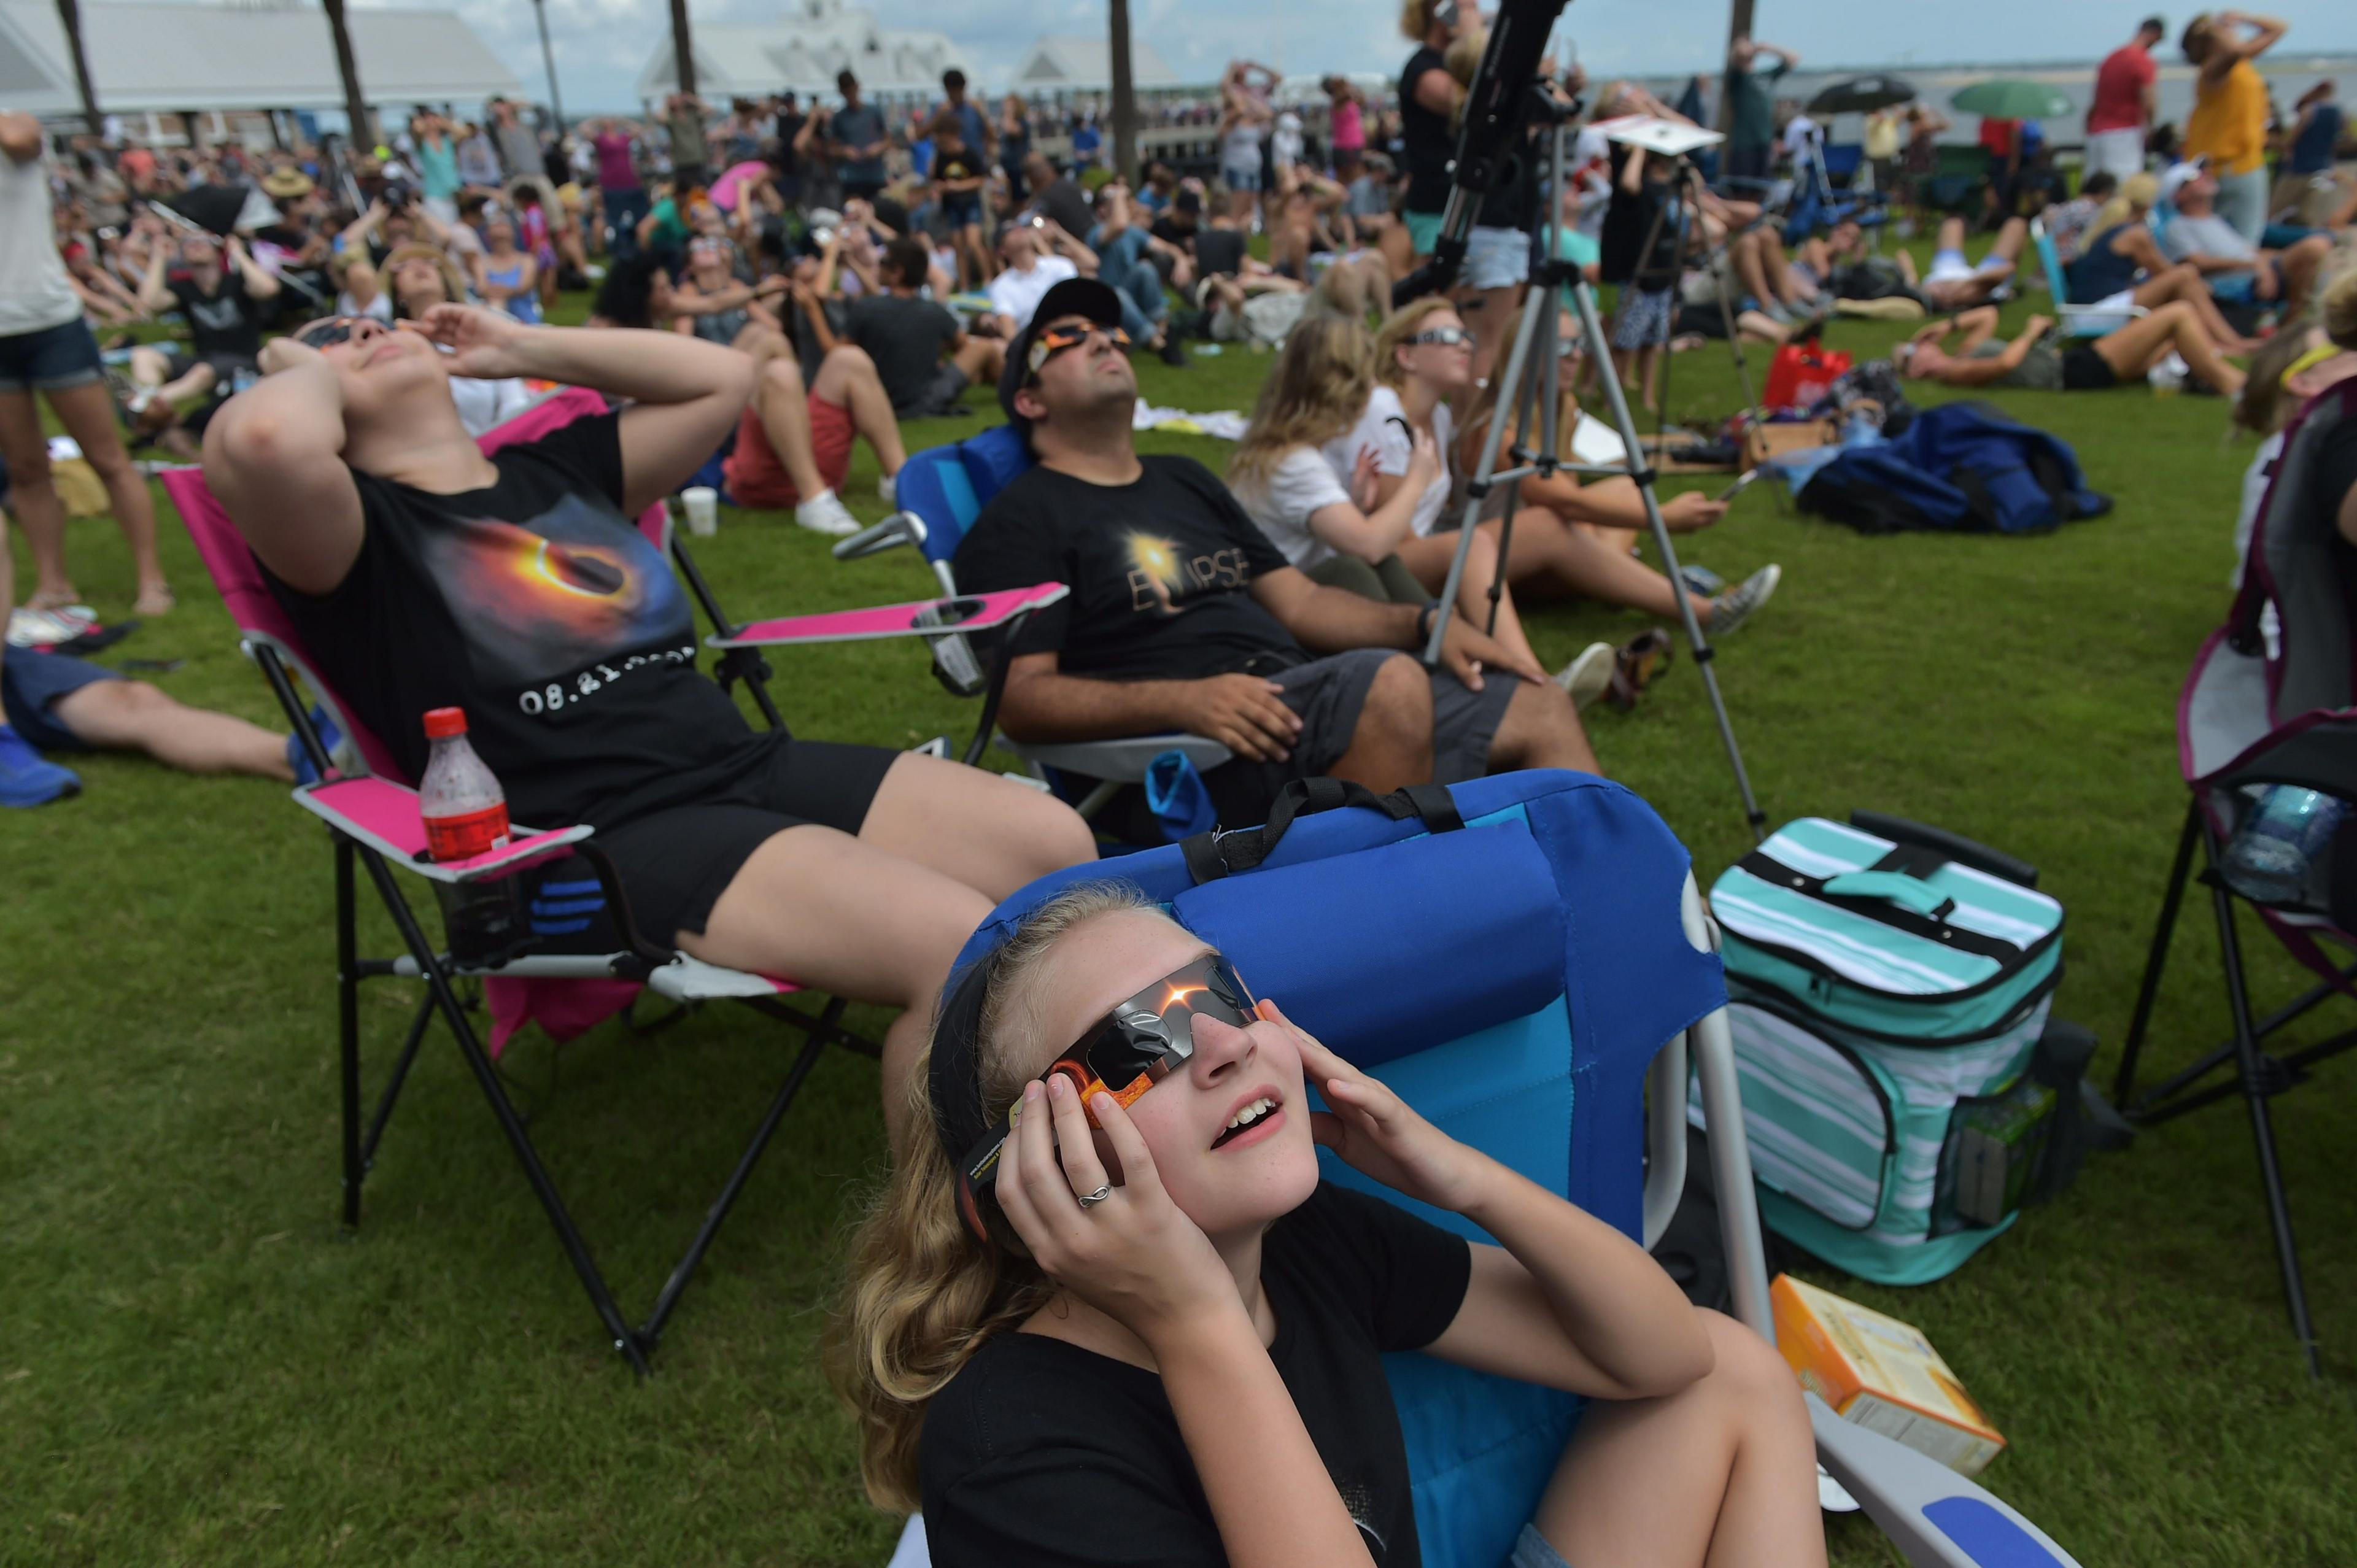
(327, 333)
(1052, 341)
(1137, 1045)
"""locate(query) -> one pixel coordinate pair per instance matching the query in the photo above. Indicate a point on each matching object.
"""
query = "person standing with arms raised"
(1751, 107)
(2229, 122)
(2124, 105)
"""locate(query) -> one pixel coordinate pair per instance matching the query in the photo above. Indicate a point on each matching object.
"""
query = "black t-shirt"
(537, 607)
(2336, 476)
(1042, 1453)
(905, 336)
(226, 322)
(1426, 140)
(1218, 252)
(1513, 196)
(1064, 201)
(1159, 570)
(786, 161)
(963, 164)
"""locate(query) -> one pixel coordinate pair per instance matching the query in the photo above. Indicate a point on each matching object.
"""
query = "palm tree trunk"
(682, 48)
(1124, 97)
(70, 16)
(356, 108)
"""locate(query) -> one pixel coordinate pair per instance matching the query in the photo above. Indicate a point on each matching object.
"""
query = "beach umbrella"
(1862, 95)
(2010, 98)
(216, 209)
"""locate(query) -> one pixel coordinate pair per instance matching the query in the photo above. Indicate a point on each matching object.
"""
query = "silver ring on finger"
(1091, 1199)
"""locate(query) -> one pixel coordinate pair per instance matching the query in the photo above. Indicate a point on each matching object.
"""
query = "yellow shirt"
(1882, 135)
(2230, 121)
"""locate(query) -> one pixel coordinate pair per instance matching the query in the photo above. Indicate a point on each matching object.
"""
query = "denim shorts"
(55, 358)
(961, 207)
(1241, 177)
(1532, 1551)
(31, 683)
(1497, 258)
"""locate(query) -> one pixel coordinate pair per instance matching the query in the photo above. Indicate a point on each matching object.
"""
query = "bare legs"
(1486, 313)
(132, 715)
(880, 918)
(1723, 1473)
(847, 379)
(2183, 282)
(1541, 729)
(2145, 341)
(981, 359)
(783, 405)
(1551, 556)
(1429, 558)
(1392, 743)
(88, 415)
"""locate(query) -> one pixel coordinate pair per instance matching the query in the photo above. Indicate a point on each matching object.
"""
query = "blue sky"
(601, 45)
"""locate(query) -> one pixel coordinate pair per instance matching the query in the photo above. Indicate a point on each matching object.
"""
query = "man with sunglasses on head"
(1183, 616)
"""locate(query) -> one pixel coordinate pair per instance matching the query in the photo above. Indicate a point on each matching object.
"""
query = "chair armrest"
(919, 618)
(1936, 1518)
(1122, 761)
(385, 816)
(900, 528)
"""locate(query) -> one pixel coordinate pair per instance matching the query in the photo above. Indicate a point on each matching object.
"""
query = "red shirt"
(1996, 136)
(2120, 83)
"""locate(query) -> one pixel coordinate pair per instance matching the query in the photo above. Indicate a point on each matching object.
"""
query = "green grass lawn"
(199, 1368)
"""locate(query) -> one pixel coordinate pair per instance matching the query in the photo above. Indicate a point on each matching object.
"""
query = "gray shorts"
(1532, 1551)
(1327, 694)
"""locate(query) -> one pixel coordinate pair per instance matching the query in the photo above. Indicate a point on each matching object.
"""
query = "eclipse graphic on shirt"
(570, 589)
(1162, 579)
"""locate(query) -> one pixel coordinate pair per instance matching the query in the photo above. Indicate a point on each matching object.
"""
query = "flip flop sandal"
(1635, 665)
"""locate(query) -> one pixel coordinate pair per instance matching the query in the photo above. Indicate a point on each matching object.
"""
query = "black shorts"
(674, 864)
(940, 398)
(2083, 369)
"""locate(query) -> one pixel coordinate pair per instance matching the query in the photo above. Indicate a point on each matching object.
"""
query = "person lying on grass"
(2036, 361)
(1163, 1343)
(423, 574)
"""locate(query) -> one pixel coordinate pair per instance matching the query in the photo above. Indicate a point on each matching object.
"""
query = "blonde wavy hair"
(923, 1293)
(1404, 324)
(2135, 198)
(1316, 393)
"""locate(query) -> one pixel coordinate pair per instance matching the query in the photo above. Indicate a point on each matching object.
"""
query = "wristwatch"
(1423, 623)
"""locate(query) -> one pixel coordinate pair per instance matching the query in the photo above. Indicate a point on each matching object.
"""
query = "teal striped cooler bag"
(1887, 996)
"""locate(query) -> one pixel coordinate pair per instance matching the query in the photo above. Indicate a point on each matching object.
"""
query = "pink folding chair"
(373, 817)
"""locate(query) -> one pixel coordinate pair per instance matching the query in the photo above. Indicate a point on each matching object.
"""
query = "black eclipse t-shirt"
(226, 323)
(1160, 571)
(539, 608)
(1042, 1453)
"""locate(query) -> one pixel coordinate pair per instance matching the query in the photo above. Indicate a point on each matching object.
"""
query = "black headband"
(954, 1079)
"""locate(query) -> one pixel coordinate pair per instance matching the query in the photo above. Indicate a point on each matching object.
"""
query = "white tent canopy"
(1071, 64)
(802, 52)
(166, 57)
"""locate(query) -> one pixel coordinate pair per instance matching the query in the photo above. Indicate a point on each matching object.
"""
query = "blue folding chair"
(940, 493)
(1527, 960)
(2078, 320)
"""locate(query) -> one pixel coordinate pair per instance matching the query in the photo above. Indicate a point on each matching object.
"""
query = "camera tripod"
(1530, 378)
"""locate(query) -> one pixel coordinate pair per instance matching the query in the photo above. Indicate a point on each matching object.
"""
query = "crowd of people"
(771, 285)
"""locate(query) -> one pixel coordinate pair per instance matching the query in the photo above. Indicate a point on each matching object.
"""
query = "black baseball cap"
(1074, 297)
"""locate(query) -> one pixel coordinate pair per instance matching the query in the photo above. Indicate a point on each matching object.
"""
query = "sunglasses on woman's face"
(1129, 1051)
(1446, 336)
(1054, 340)
(327, 333)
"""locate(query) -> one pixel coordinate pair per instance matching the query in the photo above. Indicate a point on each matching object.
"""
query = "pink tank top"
(1350, 131)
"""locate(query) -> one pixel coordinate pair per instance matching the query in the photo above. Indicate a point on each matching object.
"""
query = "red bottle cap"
(442, 723)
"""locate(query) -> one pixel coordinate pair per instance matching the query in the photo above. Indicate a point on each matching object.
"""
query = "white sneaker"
(1737, 605)
(1585, 677)
(825, 513)
(889, 488)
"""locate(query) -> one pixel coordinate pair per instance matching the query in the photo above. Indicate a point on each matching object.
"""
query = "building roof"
(802, 52)
(1084, 64)
(173, 57)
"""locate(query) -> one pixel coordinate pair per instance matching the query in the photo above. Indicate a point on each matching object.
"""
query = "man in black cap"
(1182, 616)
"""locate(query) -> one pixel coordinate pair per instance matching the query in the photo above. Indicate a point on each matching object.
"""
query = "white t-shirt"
(1018, 293)
(377, 309)
(487, 404)
(1301, 484)
(35, 293)
(1391, 446)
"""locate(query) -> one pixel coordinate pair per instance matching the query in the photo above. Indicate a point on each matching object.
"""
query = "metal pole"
(548, 59)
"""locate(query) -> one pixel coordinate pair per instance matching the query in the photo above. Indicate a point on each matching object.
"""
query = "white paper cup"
(702, 505)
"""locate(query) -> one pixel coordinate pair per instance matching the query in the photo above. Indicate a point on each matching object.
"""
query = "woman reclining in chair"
(1173, 1355)
(423, 574)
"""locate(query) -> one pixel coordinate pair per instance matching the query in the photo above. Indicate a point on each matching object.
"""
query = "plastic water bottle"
(2268, 859)
(466, 814)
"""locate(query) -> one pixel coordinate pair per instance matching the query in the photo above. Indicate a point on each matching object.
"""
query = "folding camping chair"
(372, 817)
(1511, 955)
(2252, 715)
(940, 493)
(2098, 320)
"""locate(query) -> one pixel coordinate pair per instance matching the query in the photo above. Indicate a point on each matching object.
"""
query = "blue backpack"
(1962, 468)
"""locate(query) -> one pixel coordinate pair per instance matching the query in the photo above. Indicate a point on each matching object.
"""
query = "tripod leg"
(1477, 486)
(1584, 298)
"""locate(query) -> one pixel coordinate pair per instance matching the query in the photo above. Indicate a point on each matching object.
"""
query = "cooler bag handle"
(1942, 846)
(1893, 886)
(1212, 855)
